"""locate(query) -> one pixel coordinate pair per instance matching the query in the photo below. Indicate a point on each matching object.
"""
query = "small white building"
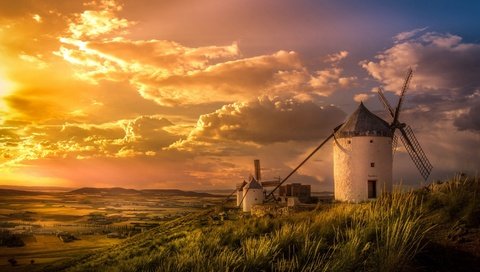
(240, 192)
(252, 194)
(362, 157)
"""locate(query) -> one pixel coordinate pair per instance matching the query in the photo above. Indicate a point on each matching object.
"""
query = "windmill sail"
(394, 143)
(402, 94)
(408, 138)
(385, 103)
(415, 151)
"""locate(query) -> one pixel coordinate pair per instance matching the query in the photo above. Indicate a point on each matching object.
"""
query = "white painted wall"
(352, 170)
(239, 197)
(253, 197)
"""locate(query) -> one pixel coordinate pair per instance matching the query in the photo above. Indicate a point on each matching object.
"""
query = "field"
(436, 228)
(95, 219)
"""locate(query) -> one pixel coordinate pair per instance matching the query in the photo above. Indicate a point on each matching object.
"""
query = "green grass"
(384, 235)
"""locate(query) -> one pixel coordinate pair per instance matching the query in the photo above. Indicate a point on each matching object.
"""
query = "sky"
(186, 94)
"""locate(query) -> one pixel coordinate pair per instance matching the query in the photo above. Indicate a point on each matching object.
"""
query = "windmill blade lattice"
(415, 151)
(407, 137)
(394, 144)
(402, 95)
(385, 103)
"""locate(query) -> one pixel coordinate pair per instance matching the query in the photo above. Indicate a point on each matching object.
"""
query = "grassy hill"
(432, 229)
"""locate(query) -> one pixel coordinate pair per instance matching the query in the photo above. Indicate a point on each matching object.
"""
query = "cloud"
(408, 34)
(172, 74)
(240, 79)
(441, 62)
(37, 18)
(362, 97)
(448, 149)
(445, 77)
(142, 136)
(469, 120)
(262, 121)
(36, 60)
(442, 102)
(102, 20)
(336, 57)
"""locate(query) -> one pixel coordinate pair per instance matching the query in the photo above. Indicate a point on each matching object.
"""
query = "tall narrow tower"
(362, 157)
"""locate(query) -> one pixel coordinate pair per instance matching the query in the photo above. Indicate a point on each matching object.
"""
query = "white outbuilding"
(239, 192)
(362, 157)
(252, 194)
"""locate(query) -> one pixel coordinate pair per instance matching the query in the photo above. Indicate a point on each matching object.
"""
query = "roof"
(362, 122)
(241, 185)
(253, 184)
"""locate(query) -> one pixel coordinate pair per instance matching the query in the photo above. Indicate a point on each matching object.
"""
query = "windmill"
(406, 133)
(363, 147)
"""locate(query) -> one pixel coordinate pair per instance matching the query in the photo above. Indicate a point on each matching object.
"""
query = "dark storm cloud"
(470, 120)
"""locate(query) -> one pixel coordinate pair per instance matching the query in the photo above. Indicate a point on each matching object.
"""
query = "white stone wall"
(352, 158)
(239, 197)
(253, 197)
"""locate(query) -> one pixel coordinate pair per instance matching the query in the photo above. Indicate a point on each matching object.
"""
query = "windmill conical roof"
(241, 185)
(362, 122)
(253, 184)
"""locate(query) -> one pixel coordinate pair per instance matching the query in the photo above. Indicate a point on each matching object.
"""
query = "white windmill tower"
(362, 157)
(250, 193)
(363, 148)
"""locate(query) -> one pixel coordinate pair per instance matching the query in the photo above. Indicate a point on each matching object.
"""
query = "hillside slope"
(433, 229)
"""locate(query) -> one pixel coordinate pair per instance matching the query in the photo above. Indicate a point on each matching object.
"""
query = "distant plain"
(96, 218)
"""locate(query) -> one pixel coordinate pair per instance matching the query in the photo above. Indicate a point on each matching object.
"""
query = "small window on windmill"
(372, 164)
(349, 142)
(371, 141)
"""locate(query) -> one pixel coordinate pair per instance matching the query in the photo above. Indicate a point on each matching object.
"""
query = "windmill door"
(372, 189)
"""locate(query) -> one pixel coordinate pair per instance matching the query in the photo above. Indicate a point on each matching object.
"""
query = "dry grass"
(383, 235)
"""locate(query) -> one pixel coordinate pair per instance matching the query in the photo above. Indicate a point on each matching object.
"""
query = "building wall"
(239, 197)
(283, 190)
(301, 191)
(352, 158)
(253, 197)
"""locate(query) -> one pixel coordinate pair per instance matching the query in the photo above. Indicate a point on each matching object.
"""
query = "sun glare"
(6, 87)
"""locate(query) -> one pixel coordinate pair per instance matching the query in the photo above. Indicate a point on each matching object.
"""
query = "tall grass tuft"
(398, 220)
(259, 252)
(457, 199)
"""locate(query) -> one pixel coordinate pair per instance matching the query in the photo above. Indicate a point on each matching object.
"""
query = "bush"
(10, 240)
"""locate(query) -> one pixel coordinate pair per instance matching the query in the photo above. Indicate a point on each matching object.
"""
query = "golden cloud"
(82, 95)
(102, 20)
(259, 122)
(172, 74)
(142, 136)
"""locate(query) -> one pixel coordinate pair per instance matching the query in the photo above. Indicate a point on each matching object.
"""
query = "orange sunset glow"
(185, 94)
